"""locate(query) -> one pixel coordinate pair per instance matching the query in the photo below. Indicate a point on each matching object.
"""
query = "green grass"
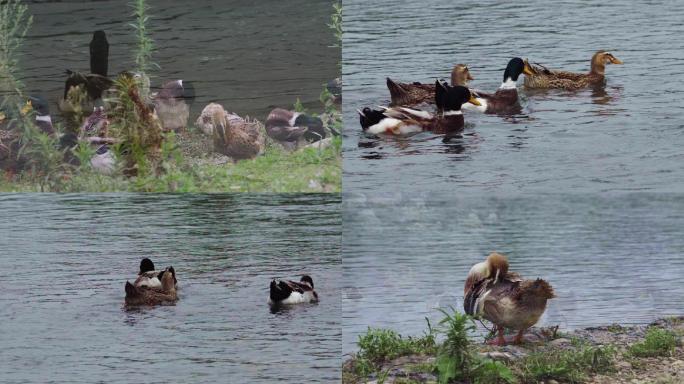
(658, 342)
(307, 170)
(567, 366)
(379, 345)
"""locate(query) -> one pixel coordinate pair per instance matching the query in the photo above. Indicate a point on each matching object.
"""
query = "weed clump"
(658, 342)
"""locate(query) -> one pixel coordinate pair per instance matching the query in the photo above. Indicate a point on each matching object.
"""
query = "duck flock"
(401, 119)
(236, 137)
(159, 287)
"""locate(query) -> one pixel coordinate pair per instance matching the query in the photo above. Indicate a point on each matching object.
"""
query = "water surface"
(609, 259)
(248, 56)
(624, 137)
(65, 260)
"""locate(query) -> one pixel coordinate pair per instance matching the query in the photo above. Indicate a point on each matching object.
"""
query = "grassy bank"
(612, 354)
(307, 170)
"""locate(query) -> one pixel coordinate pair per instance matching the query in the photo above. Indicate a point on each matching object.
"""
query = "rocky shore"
(637, 356)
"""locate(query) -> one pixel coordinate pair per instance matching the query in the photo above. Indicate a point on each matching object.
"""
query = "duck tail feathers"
(398, 94)
(131, 291)
(279, 291)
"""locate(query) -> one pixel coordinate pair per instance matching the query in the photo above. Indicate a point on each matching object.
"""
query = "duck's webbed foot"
(500, 340)
(519, 337)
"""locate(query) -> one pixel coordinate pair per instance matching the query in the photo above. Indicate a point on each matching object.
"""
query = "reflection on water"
(65, 259)
(612, 259)
(623, 136)
(250, 57)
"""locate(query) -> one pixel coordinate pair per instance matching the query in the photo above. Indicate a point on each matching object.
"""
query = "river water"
(608, 259)
(65, 259)
(247, 56)
(625, 137)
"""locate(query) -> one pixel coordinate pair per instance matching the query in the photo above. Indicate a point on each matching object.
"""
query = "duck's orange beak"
(527, 69)
(2, 117)
(28, 107)
(473, 100)
(469, 76)
(615, 60)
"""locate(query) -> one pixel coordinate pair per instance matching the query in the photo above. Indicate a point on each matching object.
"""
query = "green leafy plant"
(14, 23)
(145, 47)
(658, 342)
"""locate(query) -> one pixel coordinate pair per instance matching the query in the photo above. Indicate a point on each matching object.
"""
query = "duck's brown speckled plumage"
(411, 94)
(136, 296)
(543, 77)
(503, 297)
(237, 137)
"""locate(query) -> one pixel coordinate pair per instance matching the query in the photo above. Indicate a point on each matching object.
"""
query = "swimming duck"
(292, 292)
(99, 54)
(144, 295)
(172, 104)
(406, 121)
(236, 137)
(151, 278)
(503, 297)
(288, 127)
(411, 94)
(547, 78)
(505, 99)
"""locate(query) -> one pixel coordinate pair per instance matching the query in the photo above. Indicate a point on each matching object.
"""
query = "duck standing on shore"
(505, 298)
(172, 104)
(288, 128)
(236, 137)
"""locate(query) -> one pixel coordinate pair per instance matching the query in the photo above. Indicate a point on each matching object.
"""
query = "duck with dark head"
(403, 121)
(144, 295)
(285, 292)
(505, 99)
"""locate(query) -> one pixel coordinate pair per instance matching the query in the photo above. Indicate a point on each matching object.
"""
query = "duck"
(285, 292)
(96, 124)
(41, 108)
(144, 295)
(151, 278)
(504, 298)
(412, 94)
(334, 87)
(236, 137)
(172, 104)
(289, 127)
(92, 84)
(99, 53)
(505, 99)
(543, 77)
(403, 121)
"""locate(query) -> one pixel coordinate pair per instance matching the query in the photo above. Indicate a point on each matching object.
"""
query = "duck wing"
(285, 133)
(405, 113)
(410, 93)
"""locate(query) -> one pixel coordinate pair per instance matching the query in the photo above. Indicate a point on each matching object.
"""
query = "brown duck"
(543, 77)
(504, 298)
(145, 295)
(236, 137)
(411, 94)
